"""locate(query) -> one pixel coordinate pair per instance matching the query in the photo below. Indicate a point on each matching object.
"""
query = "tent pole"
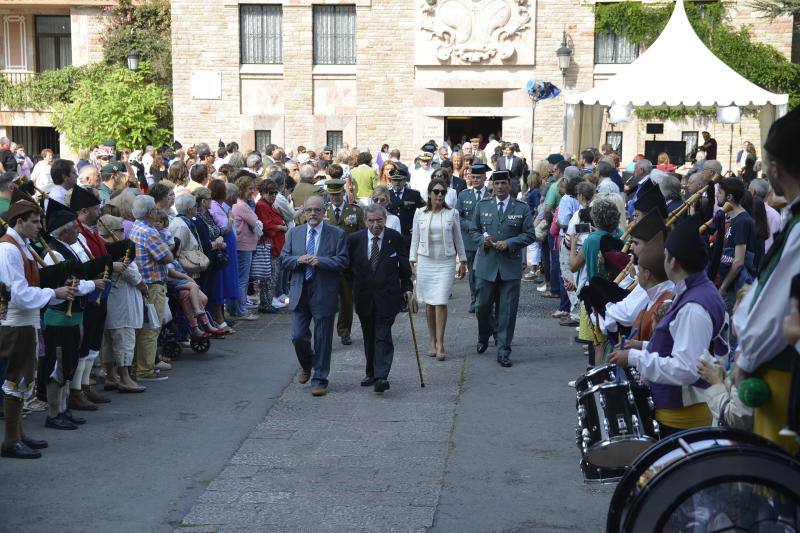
(730, 153)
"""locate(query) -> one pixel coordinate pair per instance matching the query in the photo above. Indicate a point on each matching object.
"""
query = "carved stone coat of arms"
(475, 31)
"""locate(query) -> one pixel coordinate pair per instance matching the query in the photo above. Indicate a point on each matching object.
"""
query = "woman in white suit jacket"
(435, 241)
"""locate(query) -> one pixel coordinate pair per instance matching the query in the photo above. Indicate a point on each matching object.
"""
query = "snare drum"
(603, 374)
(615, 423)
(708, 479)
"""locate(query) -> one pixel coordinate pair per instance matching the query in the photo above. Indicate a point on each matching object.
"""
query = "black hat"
(782, 138)
(502, 175)
(479, 168)
(555, 159)
(652, 199)
(403, 169)
(58, 215)
(648, 226)
(221, 144)
(599, 292)
(176, 145)
(396, 174)
(428, 147)
(685, 245)
(82, 199)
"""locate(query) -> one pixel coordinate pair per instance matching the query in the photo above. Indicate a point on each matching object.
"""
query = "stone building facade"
(423, 69)
(43, 35)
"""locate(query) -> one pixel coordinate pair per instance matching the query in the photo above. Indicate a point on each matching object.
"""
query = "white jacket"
(420, 234)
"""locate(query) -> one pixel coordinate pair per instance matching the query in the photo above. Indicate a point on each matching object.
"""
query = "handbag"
(193, 261)
(540, 230)
(221, 258)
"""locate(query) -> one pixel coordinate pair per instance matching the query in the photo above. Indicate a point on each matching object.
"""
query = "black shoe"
(72, 418)
(482, 345)
(346, 340)
(58, 422)
(504, 361)
(267, 309)
(581, 341)
(19, 450)
(472, 308)
(381, 385)
(34, 444)
(367, 381)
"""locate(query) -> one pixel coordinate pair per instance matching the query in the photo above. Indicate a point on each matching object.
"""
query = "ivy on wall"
(760, 63)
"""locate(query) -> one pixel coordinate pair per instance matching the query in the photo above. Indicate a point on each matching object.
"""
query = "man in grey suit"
(315, 254)
(504, 227)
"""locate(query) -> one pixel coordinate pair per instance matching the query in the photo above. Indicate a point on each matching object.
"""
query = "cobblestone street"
(231, 442)
(480, 448)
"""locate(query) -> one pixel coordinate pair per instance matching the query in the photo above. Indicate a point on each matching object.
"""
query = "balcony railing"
(17, 76)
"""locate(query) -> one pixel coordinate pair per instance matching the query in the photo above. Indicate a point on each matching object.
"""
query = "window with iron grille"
(335, 35)
(334, 139)
(263, 139)
(614, 48)
(614, 138)
(260, 34)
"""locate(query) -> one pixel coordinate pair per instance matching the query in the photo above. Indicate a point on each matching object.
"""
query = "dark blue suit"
(317, 298)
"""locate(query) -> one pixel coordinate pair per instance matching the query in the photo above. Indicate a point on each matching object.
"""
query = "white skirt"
(435, 279)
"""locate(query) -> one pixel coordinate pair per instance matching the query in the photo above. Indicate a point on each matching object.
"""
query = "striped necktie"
(374, 254)
(312, 238)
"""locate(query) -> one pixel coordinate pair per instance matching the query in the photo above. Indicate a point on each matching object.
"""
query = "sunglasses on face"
(439, 192)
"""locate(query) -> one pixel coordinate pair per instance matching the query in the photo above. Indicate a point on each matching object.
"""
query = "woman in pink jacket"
(248, 230)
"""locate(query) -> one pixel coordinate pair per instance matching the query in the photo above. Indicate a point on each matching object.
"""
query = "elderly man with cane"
(381, 280)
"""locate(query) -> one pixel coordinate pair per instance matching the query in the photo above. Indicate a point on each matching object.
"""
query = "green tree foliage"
(778, 8)
(124, 107)
(760, 63)
(46, 89)
(144, 27)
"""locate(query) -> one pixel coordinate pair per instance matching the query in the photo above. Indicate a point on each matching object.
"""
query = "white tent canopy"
(644, 83)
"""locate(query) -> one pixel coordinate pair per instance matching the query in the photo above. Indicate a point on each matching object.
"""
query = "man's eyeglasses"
(314, 210)
(439, 192)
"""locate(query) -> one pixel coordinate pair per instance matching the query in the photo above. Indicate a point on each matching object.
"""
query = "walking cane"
(416, 348)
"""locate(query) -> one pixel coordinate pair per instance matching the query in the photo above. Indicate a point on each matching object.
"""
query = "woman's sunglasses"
(439, 192)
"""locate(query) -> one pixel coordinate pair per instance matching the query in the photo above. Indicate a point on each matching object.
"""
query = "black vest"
(79, 303)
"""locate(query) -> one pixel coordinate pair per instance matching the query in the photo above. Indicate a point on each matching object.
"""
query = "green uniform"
(350, 219)
(467, 201)
(498, 273)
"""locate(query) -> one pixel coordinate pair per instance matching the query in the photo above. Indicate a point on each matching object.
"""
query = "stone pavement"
(414, 458)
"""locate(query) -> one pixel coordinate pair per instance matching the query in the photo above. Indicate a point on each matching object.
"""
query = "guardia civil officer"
(467, 201)
(505, 228)
(349, 218)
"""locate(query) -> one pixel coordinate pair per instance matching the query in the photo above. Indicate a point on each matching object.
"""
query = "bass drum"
(707, 480)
